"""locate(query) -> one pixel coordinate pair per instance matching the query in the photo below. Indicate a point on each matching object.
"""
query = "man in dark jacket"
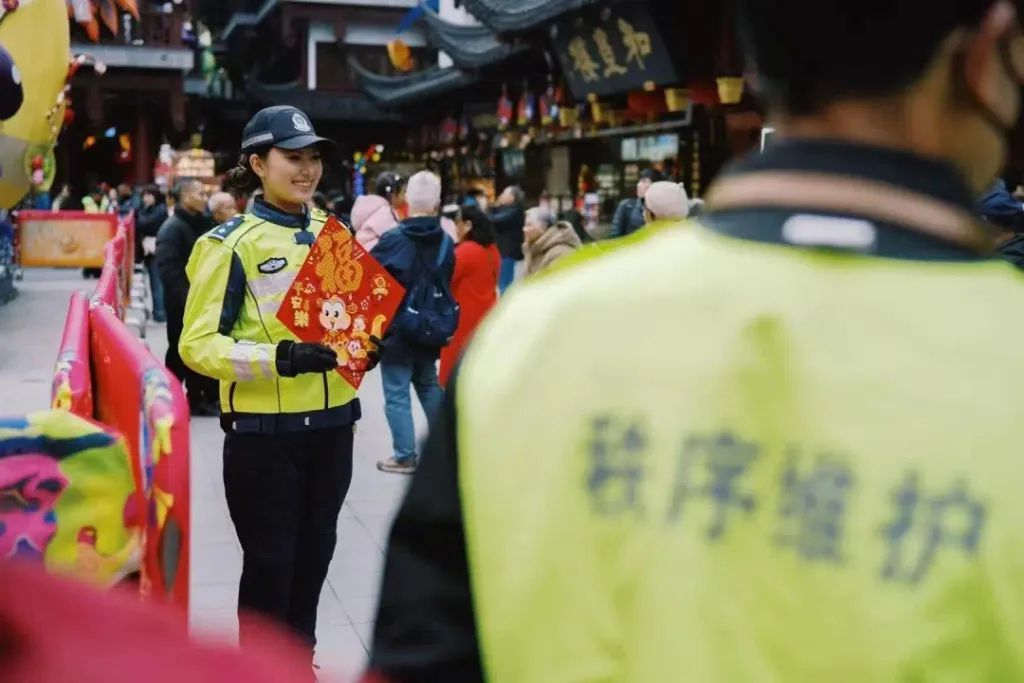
(1002, 210)
(174, 244)
(629, 216)
(508, 216)
(410, 253)
(150, 217)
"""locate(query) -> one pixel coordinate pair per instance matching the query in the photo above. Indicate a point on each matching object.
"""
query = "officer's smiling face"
(290, 177)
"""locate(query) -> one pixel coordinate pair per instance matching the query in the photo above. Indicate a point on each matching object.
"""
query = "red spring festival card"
(340, 298)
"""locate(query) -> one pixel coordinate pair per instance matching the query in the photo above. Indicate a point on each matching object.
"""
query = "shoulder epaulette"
(221, 232)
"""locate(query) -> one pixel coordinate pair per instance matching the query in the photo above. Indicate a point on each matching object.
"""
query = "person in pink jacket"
(374, 214)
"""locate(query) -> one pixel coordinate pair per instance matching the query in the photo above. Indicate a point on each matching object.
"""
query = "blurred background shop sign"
(612, 50)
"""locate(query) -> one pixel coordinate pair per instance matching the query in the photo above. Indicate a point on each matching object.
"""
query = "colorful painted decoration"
(66, 490)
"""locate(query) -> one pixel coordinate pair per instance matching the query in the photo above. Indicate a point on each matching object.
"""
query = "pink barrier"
(136, 395)
(72, 377)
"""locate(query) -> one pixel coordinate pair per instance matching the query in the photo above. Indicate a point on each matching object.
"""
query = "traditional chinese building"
(576, 98)
(120, 117)
(301, 53)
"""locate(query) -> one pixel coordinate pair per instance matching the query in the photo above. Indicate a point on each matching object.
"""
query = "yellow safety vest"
(773, 465)
(600, 248)
(238, 347)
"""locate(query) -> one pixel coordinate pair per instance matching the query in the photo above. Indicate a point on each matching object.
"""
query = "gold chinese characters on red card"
(340, 298)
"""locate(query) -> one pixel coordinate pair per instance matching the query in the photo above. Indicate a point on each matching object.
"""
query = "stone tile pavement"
(29, 334)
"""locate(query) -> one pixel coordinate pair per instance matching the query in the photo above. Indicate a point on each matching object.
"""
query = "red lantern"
(646, 103)
(704, 92)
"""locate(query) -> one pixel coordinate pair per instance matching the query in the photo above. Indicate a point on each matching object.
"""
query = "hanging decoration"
(400, 55)
(729, 67)
(544, 107)
(124, 154)
(85, 13)
(527, 107)
(730, 89)
(372, 153)
(504, 109)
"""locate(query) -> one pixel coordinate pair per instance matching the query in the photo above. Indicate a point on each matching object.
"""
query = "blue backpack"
(429, 314)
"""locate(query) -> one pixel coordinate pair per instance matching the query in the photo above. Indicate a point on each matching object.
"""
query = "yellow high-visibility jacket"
(239, 274)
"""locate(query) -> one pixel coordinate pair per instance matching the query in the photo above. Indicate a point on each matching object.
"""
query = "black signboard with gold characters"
(612, 50)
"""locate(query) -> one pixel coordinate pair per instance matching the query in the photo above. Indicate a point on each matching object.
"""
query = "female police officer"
(288, 417)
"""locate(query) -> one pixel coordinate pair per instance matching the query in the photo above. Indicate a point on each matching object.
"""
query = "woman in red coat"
(475, 281)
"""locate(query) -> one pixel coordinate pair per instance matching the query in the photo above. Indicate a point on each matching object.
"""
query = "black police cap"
(280, 126)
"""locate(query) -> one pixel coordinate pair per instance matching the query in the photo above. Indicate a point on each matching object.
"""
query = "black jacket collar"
(261, 208)
(924, 181)
(199, 222)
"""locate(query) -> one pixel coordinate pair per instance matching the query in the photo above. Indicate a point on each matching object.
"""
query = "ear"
(259, 166)
(985, 72)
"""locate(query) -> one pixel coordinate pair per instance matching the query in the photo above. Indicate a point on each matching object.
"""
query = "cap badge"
(300, 123)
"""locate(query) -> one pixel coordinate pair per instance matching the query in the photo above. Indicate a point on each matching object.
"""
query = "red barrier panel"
(138, 396)
(106, 292)
(110, 288)
(72, 377)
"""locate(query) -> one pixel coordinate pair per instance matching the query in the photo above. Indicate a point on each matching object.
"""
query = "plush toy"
(37, 70)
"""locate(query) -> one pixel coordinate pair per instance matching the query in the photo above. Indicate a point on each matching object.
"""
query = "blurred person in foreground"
(809, 415)
(474, 281)
(174, 244)
(55, 630)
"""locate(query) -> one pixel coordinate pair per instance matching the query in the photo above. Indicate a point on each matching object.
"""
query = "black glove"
(373, 355)
(297, 358)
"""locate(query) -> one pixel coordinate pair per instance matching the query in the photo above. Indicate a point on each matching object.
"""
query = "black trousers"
(201, 389)
(284, 494)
